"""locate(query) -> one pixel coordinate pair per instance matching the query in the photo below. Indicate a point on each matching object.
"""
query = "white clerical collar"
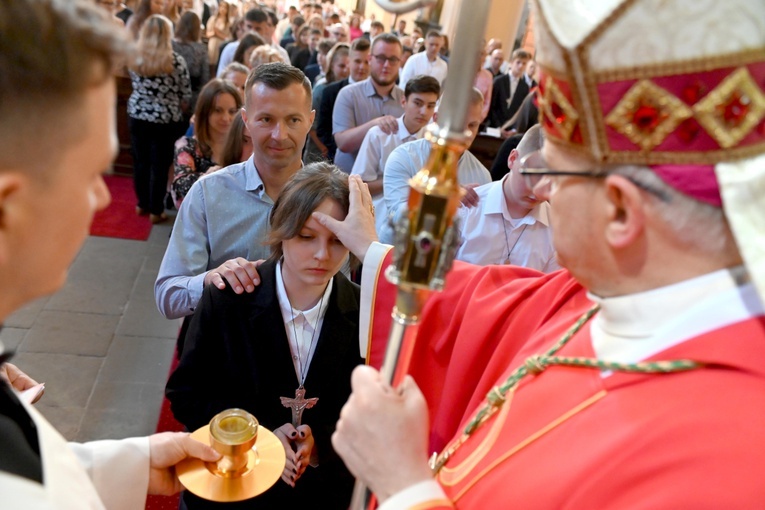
(288, 312)
(635, 327)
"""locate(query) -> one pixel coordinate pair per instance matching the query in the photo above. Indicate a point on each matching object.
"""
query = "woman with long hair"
(238, 146)
(161, 87)
(297, 50)
(202, 153)
(297, 331)
(188, 45)
(218, 27)
(247, 45)
(337, 69)
(145, 9)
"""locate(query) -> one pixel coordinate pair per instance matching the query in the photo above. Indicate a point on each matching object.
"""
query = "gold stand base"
(265, 464)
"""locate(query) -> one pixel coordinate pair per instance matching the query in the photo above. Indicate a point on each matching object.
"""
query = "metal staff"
(427, 238)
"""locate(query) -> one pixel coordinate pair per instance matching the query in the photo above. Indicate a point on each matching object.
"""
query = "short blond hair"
(265, 55)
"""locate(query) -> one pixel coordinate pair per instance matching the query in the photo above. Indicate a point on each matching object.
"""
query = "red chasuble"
(568, 437)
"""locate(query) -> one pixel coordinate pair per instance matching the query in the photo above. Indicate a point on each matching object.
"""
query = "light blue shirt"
(357, 104)
(405, 161)
(224, 216)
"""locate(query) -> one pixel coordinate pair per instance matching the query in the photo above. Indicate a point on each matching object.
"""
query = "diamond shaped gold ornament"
(647, 114)
(732, 109)
(558, 110)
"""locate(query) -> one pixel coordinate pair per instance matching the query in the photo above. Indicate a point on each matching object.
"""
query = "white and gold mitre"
(677, 85)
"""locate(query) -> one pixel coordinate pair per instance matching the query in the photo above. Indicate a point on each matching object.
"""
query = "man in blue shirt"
(223, 221)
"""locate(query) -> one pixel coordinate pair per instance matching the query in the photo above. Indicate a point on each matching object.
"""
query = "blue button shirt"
(224, 216)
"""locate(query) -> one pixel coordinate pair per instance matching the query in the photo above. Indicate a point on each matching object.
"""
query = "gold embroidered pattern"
(732, 109)
(557, 109)
(647, 114)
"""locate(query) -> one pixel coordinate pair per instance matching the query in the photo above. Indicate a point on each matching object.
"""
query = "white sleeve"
(371, 272)
(180, 280)
(119, 470)
(417, 496)
(367, 163)
(398, 170)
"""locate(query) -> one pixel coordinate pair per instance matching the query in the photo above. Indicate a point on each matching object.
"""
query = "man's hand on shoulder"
(470, 198)
(241, 274)
(388, 124)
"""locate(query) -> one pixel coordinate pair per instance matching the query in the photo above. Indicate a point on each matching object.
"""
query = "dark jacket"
(237, 355)
(327, 106)
(501, 109)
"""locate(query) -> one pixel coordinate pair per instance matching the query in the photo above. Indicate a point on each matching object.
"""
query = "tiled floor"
(99, 344)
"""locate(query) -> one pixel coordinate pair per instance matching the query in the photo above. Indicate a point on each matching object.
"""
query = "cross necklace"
(300, 403)
(507, 243)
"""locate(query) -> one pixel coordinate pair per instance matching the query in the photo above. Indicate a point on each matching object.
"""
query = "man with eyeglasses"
(426, 62)
(375, 101)
(634, 377)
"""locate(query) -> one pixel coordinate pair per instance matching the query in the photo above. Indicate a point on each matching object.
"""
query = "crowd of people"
(226, 39)
(598, 344)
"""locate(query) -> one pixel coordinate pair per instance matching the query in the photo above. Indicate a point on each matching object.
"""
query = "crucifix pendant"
(298, 404)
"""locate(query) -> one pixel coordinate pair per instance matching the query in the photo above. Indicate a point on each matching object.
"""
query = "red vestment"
(568, 437)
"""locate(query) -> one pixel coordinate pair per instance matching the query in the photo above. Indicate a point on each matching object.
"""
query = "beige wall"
(504, 17)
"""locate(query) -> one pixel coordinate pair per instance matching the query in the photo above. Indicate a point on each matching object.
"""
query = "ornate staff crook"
(426, 237)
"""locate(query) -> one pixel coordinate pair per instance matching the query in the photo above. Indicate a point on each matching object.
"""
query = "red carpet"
(166, 423)
(119, 219)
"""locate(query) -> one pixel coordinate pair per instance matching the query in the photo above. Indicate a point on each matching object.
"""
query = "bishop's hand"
(382, 434)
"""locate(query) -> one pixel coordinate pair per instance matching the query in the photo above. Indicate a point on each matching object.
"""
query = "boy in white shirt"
(419, 102)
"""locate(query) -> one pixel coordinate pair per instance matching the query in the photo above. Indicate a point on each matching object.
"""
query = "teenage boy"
(419, 103)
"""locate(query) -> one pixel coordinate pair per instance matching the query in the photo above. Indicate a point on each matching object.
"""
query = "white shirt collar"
(403, 133)
(634, 327)
(305, 325)
(288, 312)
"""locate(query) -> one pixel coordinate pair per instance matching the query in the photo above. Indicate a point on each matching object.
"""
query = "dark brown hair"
(232, 151)
(250, 40)
(361, 44)
(205, 105)
(300, 197)
(422, 84)
(188, 28)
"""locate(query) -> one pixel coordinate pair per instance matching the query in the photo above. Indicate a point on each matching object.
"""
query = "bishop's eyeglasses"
(535, 173)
